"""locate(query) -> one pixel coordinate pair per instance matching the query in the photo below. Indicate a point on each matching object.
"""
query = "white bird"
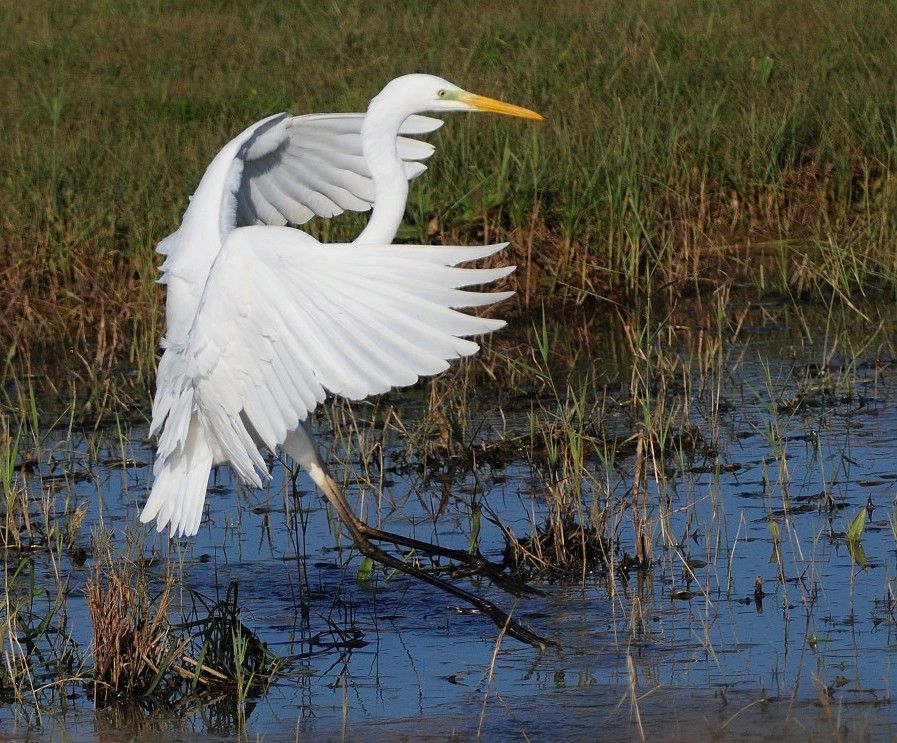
(263, 320)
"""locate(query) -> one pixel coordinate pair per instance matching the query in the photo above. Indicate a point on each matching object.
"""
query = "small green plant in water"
(855, 535)
(365, 571)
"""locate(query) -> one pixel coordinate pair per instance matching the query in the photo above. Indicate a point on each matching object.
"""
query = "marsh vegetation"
(685, 146)
(685, 436)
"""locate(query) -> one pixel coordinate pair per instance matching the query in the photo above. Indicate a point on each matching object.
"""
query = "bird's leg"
(300, 445)
(479, 564)
(362, 534)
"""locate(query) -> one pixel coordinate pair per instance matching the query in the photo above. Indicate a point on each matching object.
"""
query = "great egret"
(263, 320)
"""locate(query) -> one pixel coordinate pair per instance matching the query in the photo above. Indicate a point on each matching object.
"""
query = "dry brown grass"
(139, 652)
(133, 643)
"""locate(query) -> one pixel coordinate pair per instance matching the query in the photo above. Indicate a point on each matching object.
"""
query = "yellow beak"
(498, 107)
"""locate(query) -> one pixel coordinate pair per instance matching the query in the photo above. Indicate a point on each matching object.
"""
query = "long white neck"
(379, 134)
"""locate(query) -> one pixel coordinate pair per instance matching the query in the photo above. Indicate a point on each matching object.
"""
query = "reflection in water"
(756, 615)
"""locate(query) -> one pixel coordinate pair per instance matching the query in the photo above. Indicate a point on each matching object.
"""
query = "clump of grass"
(587, 427)
(24, 528)
(560, 551)
(140, 653)
(37, 650)
(565, 437)
(133, 644)
(15, 513)
(17, 674)
(224, 653)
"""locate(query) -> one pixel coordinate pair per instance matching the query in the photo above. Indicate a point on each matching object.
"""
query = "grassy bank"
(686, 144)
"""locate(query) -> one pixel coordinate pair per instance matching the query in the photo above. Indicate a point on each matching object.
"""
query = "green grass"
(686, 145)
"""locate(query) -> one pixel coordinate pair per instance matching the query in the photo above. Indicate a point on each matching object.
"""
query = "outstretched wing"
(292, 168)
(281, 169)
(283, 320)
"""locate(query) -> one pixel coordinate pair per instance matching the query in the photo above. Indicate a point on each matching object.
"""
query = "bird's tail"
(179, 488)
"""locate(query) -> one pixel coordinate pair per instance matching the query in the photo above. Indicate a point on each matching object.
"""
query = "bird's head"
(419, 93)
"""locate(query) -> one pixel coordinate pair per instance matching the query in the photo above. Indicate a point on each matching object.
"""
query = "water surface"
(803, 427)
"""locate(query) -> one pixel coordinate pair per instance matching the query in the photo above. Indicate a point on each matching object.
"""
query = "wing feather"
(355, 163)
(263, 208)
(412, 149)
(303, 199)
(289, 169)
(290, 195)
(338, 185)
(283, 319)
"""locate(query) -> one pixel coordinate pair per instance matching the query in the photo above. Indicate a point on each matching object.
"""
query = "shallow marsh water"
(800, 424)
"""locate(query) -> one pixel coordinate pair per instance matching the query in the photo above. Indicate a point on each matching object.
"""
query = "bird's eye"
(442, 93)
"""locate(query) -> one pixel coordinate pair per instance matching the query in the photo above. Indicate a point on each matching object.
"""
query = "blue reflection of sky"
(426, 665)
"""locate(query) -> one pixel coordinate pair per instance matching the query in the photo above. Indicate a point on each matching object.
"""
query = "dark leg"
(362, 534)
(300, 446)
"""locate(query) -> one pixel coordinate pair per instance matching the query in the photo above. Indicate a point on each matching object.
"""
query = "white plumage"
(263, 320)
